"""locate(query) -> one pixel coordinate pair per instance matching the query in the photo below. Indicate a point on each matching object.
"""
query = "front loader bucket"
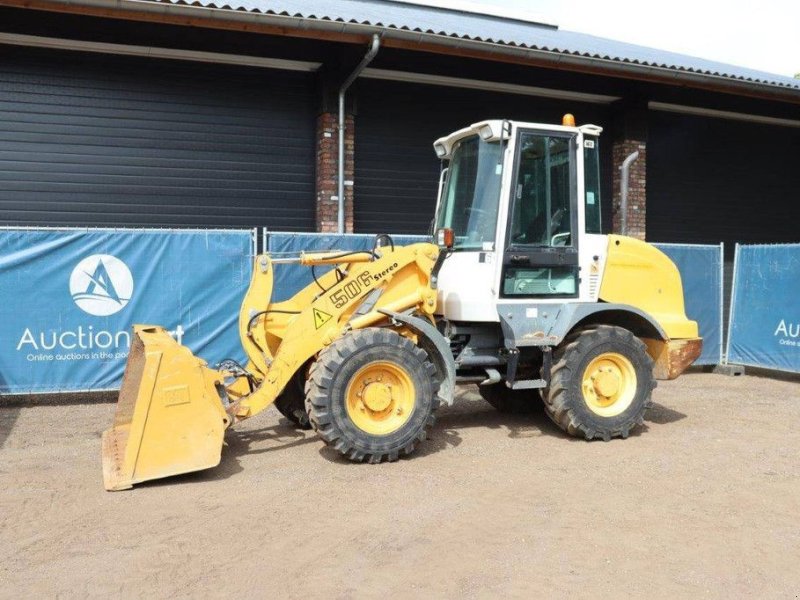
(169, 417)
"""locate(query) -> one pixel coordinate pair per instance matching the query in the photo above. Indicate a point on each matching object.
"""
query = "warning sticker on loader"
(320, 318)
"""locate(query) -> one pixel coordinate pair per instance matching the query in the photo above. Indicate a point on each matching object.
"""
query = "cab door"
(540, 260)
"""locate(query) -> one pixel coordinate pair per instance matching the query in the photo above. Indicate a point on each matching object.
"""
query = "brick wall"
(327, 169)
(637, 187)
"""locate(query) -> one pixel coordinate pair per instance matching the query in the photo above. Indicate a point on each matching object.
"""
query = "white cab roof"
(447, 142)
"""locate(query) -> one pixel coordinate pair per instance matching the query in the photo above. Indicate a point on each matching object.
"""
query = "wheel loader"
(519, 293)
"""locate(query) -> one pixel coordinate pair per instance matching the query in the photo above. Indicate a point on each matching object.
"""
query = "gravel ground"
(704, 502)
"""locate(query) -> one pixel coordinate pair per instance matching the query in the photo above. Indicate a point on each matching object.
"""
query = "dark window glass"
(541, 208)
(472, 193)
(591, 182)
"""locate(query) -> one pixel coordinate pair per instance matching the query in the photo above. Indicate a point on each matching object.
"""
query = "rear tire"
(601, 383)
(292, 401)
(505, 400)
(371, 395)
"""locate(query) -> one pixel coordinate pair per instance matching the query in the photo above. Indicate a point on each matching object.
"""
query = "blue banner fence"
(764, 317)
(701, 269)
(70, 297)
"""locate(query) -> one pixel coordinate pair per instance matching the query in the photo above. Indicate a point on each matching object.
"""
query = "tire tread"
(321, 379)
(566, 362)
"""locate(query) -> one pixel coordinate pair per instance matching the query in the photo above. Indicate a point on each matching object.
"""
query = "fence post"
(733, 303)
(722, 303)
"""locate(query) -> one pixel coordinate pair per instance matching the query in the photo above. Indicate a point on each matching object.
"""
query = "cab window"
(541, 214)
(541, 257)
(591, 179)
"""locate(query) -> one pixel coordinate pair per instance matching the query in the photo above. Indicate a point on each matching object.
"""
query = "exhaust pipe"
(623, 197)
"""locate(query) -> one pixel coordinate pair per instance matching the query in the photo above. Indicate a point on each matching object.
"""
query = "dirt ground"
(703, 503)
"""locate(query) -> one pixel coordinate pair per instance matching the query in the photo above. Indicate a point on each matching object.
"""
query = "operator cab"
(520, 203)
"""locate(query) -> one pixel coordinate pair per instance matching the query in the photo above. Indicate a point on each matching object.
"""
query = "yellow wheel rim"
(380, 398)
(609, 384)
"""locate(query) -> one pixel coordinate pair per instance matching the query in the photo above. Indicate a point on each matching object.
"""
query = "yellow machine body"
(638, 274)
(173, 409)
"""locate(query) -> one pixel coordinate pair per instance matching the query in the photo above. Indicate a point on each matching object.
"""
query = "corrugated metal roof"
(430, 21)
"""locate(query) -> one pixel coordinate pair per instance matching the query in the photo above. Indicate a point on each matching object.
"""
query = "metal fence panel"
(701, 273)
(70, 297)
(765, 311)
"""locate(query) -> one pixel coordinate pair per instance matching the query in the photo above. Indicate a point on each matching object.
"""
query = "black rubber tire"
(327, 384)
(292, 401)
(563, 399)
(505, 400)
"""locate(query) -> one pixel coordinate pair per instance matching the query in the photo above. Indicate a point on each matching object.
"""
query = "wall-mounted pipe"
(371, 53)
(623, 197)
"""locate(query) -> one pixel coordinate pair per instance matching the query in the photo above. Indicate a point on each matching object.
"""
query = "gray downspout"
(623, 198)
(373, 50)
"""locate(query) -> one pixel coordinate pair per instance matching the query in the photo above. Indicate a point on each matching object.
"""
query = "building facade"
(164, 113)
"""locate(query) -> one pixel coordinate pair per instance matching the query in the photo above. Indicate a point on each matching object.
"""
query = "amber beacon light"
(568, 120)
(445, 237)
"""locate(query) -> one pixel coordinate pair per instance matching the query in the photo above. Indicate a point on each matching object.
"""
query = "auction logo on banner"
(74, 296)
(101, 285)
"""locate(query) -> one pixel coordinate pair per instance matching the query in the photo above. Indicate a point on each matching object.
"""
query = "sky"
(763, 35)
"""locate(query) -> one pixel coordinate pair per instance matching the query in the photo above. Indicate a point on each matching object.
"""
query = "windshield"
(471, 195)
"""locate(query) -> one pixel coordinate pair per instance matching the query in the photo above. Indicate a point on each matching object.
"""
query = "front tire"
(601, 383)
(371, 395)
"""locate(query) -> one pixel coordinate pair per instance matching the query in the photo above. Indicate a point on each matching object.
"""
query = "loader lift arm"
(173, 409)
(311, 320)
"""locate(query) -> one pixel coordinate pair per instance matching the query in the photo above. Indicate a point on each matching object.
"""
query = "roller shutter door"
(715, 180)
(100, 140)
(396, 170)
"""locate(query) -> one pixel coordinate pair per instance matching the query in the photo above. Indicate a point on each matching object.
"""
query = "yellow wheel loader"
(520, 294)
